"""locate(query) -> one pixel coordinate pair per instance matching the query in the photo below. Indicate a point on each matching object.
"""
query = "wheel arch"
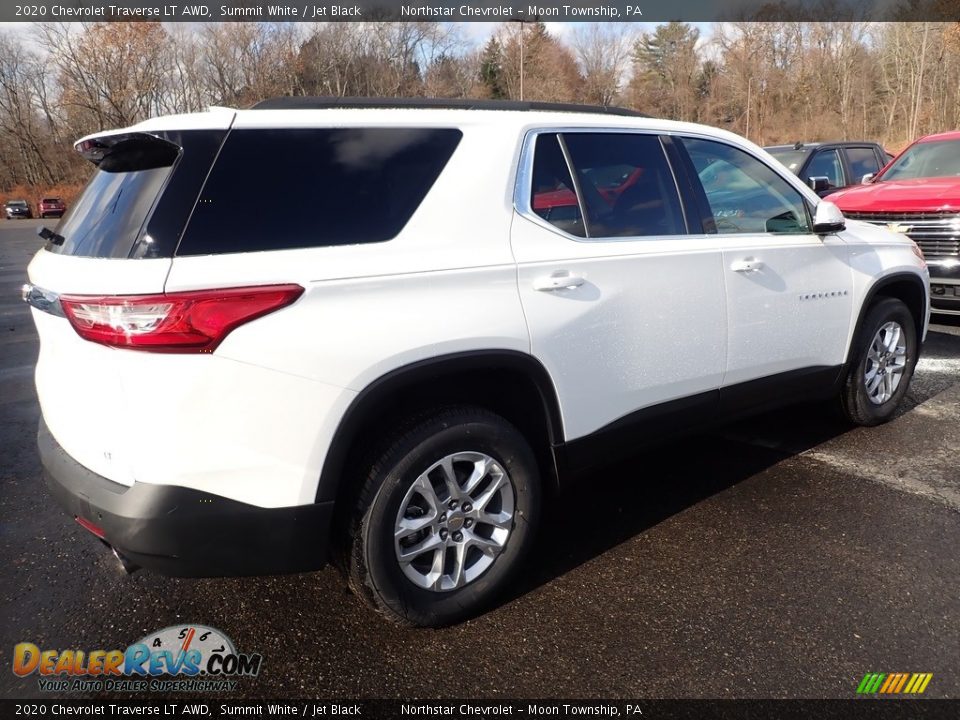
(504, 381)
(907, 287)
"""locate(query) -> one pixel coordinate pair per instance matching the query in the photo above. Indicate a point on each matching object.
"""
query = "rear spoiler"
(97, 148)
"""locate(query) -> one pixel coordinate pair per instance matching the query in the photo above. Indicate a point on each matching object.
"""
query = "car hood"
(920, 195)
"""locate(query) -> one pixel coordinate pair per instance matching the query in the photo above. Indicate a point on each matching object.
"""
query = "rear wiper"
(49, 235)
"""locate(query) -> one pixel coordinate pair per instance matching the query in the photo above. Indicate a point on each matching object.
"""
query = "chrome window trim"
(524, 181)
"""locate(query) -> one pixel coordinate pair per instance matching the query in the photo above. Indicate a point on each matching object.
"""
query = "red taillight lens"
(186, 322)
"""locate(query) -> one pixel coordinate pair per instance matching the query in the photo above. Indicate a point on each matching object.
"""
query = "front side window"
(826, 163)
(745, 195)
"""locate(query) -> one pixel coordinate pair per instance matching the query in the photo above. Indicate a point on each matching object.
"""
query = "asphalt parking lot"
(783, 557)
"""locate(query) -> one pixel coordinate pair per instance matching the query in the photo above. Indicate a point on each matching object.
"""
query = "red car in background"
(918, 194)
(51, 207)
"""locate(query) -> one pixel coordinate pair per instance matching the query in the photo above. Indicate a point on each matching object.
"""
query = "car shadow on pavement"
(624, 500)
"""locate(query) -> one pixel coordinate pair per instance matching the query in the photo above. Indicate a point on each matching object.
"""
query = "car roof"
(804, 147)
(508, 116)
(950, 135)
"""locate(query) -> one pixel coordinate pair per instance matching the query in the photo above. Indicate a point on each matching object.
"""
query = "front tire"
(447, 512)
(882, 362)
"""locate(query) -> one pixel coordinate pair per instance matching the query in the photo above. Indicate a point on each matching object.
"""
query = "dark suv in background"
(17, 209)
(830, 166)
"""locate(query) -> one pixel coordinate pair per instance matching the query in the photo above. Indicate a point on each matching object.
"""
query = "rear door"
(116, 239)
(625, 305)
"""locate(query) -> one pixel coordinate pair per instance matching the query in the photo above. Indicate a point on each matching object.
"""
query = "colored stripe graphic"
(894, 683)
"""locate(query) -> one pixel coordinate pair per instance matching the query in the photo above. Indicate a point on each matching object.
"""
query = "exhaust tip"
(126, 564)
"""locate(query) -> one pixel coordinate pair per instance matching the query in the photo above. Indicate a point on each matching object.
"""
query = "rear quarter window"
(273, 189)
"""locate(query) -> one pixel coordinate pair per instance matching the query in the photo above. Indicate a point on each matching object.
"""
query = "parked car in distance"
(918, 194)
(17, 209)
(51, 207)
(482, 302)
(830, 166)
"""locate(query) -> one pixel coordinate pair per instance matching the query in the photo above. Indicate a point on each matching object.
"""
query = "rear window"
(293, 188)
(862, 161)
(140, 196)
(51, 200)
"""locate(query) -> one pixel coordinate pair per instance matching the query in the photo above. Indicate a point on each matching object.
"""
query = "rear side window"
(626, 183)
(293, 188)
(552, 194)
(862, 161)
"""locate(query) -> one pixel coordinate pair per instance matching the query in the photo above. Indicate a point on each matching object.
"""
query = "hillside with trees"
(771, 81)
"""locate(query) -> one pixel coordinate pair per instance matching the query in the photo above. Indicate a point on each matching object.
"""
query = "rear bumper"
(184, 532)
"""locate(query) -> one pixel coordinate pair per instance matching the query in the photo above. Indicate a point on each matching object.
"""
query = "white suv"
(379, 334)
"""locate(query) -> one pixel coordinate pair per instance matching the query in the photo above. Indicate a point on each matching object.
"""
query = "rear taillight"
(186, 322)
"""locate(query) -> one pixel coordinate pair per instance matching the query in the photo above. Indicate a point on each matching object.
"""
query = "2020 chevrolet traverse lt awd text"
(392, 375)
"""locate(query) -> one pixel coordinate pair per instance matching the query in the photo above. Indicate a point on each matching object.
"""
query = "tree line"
(771, 81)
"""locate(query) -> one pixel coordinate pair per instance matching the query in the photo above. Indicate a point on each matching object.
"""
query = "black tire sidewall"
(882, 312)
(423, 607)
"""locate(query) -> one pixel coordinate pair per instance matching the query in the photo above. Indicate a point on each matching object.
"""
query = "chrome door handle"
(747, 265)
(558, 280)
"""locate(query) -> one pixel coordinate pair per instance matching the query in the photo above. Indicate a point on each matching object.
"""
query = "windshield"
(792, 159)
(17, 203)
(926, 160)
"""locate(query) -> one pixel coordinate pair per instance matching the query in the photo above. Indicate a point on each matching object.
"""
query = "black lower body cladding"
(179, 531)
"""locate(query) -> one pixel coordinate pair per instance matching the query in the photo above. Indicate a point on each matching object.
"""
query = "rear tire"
(445, 517)
(882, 361)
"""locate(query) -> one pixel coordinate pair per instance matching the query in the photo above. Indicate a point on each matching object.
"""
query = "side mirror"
(819, 183)
(827, 219)
(867, 179)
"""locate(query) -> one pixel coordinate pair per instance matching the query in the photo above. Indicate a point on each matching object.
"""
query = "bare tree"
(603, 51)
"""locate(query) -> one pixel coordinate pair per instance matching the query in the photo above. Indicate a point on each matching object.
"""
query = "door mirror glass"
(828, 219)
(867, 179)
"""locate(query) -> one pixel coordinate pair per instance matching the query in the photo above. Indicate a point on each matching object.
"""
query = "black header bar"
(480, 10)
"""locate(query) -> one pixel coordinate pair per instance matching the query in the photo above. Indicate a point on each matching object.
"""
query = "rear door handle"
(747, 265)
(558, 280)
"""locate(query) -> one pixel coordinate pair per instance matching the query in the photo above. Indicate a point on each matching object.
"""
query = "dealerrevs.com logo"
(186, 658)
